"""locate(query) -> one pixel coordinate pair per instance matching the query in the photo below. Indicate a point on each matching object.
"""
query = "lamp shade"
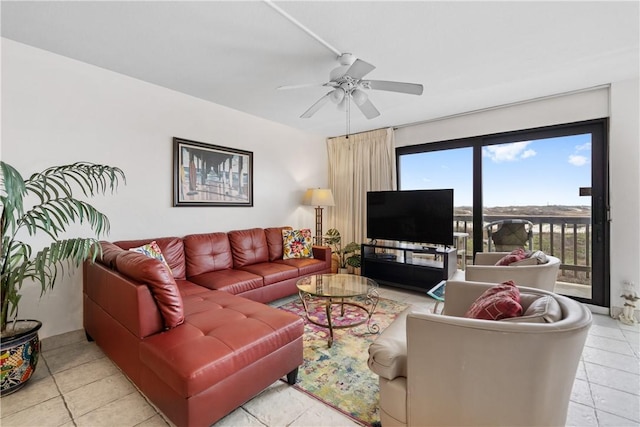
(318, 197)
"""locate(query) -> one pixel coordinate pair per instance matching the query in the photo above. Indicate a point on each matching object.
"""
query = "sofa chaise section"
(195, 336)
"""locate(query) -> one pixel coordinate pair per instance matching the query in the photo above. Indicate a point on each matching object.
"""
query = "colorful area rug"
(339, 376)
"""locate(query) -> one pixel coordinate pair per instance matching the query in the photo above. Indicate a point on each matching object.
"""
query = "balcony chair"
(509, 234)
(540, 276)
(448, 370)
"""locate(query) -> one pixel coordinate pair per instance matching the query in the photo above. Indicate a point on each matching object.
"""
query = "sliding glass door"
(555, 178)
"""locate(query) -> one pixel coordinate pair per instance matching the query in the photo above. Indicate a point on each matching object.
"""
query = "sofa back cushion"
(274, 241)
(207, 252)
(172, 249)
(156, 276)
(248, 246)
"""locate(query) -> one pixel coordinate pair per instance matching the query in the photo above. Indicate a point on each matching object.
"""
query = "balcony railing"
(565, 237)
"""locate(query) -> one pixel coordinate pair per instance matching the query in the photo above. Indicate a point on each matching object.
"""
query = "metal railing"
(565, 237)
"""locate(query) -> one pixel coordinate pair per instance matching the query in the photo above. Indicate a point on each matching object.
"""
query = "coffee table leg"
(328, 311)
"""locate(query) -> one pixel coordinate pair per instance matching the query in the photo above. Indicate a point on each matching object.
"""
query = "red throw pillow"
(515, 255)
(499, 302)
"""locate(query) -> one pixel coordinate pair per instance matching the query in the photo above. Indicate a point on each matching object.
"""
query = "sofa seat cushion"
(187, 287)
(229, 280)
(222, 334)
(272, 272)
(305, 266)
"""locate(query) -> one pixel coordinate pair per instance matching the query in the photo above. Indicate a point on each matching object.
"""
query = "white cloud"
(585, 146)
(508, 152)
(576, 160)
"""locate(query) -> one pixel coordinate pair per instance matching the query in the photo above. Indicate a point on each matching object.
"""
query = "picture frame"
(228, 180)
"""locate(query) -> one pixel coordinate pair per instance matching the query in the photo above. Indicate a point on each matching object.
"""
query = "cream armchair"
(541, 276)
(447, 370)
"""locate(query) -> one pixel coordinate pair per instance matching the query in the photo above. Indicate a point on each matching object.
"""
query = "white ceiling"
(468, 55)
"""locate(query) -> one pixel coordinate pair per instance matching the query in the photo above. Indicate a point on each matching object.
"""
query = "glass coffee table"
(335, 291)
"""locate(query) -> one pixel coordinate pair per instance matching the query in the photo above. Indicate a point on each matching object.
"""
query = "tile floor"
(76, 385)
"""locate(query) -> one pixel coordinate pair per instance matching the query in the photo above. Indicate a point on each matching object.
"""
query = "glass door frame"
(599, 188)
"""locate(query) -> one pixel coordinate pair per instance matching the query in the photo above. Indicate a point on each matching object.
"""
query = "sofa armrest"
(129, 303)
(322, 253)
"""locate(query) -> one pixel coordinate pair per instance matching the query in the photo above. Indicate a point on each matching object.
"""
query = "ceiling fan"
(348, 85)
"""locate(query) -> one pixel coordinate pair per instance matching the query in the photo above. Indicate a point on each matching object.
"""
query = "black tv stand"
(406, 265)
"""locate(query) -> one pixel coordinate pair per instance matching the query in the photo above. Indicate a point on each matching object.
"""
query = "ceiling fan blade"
(315, 107)
(410, 88)
(359, 69)
(368, 109)
(300, 86)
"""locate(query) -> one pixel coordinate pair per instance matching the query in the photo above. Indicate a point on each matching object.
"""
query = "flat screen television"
(417, 216)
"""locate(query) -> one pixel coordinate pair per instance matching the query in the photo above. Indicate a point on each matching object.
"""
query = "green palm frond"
(12, 192)
(56, 208)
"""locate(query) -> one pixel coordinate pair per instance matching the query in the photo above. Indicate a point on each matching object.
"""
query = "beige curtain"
(363, 162)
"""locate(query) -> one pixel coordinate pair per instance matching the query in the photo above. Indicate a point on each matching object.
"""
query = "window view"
(544, 183)
(445, 169)
(540, 181)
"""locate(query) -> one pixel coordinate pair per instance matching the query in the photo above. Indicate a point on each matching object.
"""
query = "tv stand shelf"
(407, 265)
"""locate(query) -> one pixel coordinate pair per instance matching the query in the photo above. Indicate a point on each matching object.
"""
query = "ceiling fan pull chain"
(348, 113)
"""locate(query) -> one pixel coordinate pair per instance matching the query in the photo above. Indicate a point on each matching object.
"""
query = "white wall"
(56, 111)
(620, 102)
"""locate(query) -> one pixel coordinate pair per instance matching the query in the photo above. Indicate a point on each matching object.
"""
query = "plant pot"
(335, 262)
(20, 354)
(343, 271)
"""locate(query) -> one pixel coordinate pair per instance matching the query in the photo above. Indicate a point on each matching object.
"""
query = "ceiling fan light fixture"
(342, 105)
(359, 96)
(337, 96)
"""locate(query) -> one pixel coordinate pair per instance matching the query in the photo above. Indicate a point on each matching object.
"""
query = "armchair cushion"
(498, 302)
(526, 261)
(538, 309)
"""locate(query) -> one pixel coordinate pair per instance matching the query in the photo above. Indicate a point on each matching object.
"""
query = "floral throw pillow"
(499, 302)
(152, 250)
(297, 244)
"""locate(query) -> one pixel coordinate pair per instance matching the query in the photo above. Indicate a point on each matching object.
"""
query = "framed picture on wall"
(211, 175)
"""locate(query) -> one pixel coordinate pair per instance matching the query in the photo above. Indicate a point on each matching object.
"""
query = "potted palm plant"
(52, 208)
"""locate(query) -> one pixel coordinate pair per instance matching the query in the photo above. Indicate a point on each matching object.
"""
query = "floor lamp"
(318, 197)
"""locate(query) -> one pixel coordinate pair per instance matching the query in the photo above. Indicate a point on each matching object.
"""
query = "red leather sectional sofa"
(196, 338)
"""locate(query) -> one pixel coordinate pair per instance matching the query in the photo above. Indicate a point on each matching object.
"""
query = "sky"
(541, 172)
